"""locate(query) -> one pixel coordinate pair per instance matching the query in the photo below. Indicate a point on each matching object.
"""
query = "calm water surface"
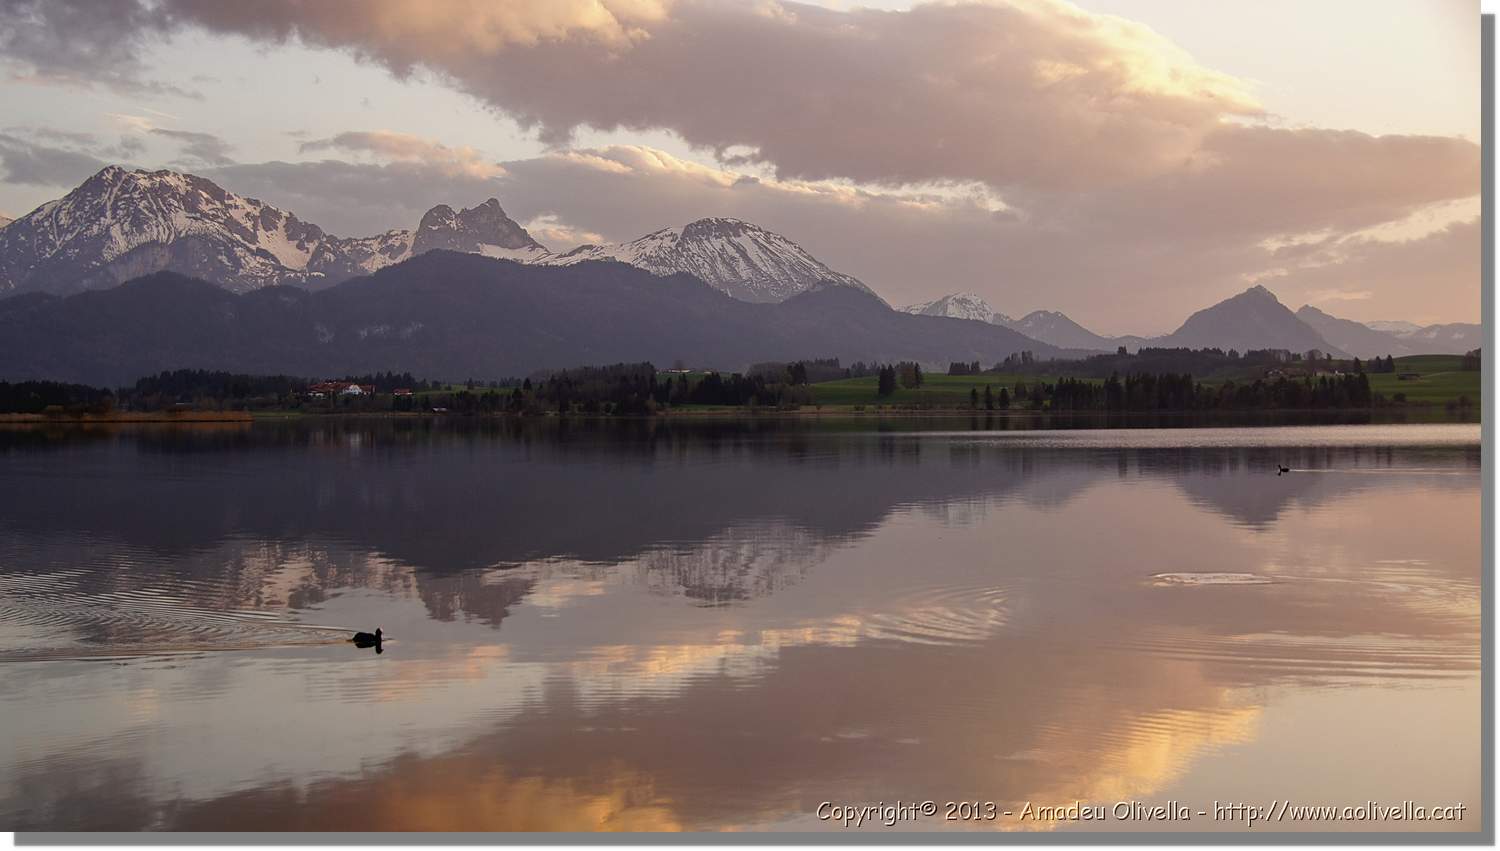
(717, 626)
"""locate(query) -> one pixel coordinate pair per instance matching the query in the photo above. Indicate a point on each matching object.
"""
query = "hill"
(1254, 319)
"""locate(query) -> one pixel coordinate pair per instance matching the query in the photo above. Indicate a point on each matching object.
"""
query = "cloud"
(70, 42)
(27, 162)
(1321, 296)
(1431, 278)
(411, 32)
(1066, 116)
(199, 148)
(132, 123)
(1039, 154)
(1033, 92)
(387, 145)
(550, 229)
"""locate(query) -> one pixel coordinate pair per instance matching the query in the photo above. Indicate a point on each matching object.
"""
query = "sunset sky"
(1124, 161)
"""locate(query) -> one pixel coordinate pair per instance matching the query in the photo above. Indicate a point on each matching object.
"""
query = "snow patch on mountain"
(1397, 327)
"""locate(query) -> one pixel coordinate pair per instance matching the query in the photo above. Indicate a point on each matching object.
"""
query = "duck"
(367, 639)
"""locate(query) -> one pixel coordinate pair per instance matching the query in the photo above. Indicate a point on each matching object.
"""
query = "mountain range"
(121, 224)
(1253, 319)
(457, 315)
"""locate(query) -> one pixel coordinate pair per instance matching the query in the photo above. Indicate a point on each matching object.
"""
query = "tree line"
(35, 397)
(1180, 392)
(633, 389)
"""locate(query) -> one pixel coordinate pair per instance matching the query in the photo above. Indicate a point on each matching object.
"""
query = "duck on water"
(368, 639)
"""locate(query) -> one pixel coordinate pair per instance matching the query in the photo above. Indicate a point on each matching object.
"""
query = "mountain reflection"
(663, 628)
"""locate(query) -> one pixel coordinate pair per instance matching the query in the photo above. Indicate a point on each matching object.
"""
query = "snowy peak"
(959, 306)
(736, 257)
(484, 229)
(120, 224)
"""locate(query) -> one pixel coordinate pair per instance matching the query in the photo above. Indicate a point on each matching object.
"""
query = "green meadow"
(1441, 380)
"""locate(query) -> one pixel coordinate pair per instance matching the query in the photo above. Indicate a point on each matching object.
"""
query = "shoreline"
(131, 417)
(1420, 412)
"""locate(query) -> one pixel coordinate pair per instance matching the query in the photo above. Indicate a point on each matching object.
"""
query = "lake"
(735, 625)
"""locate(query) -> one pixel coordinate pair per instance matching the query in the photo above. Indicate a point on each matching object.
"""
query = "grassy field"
(945, 391)
(1442, 381)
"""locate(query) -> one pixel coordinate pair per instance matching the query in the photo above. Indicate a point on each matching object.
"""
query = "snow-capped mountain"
(484, 229)
(959, 306)
(741, 259)
(121, 224)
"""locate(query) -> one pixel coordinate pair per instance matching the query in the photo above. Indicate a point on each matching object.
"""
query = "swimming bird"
(1280, 469)
(365, 639)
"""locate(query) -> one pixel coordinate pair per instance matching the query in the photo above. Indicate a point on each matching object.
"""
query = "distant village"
(330, 389)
